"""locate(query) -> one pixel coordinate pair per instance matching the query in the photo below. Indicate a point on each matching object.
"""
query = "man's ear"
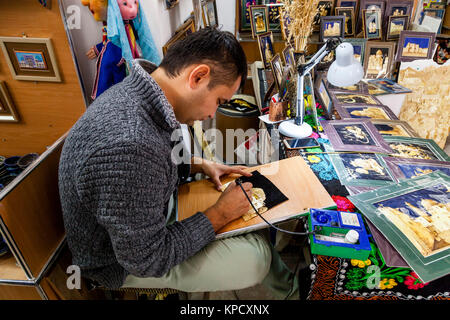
(200, 74)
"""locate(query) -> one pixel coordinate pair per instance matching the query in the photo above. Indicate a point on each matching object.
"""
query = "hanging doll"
(128, 29)
(120, 44)
(110, 67)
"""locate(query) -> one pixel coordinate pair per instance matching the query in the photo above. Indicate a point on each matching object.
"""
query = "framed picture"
(359, 46)
(394, 128)
(366, 170)
(372, 25)
(348, 4)
(323, 96)
(259, 20)
(288, 56)
(379, 59)
(360, 87)
(355, 135)
(416, 148)
(171, 3)
(369, 5)
(31, 59)
(277, 70)
(396, 8)
(365, 111)
(443, 49)
(324, 8)
(396, 24)
(265, 44)
(435, 13)
(349, 19)
(341, 98)
(403, 168)
(243, 14)
(331, 26)
(390, 86)
(410, 214)
(414, 45)
(210, 13)
(7, 110)
(375, 90)
(182, 32)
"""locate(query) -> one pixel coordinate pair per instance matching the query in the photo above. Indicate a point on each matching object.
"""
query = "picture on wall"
(415, 45)
(354, 135)
(414, 216)
(31, 59)
(243, 7)
(285, 20)
(379, 59)
(259, 20)
(324, 8)
(8, 112)
(403, 168)
(210, 13)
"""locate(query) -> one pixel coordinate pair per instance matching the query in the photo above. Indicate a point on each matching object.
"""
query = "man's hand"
(232, 204)
(216, 170)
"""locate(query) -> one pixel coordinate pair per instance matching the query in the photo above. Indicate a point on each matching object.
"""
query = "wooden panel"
(32, 211)
(9, 270)
(292, 176)
(8, 292)
(47, 110)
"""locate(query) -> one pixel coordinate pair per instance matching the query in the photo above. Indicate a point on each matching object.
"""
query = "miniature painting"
(324, 8)
(372, 24)
(378, 60)
(415, 45)
(396, 25)
(416, 148)
(365, 111)
(355, 98)
(410, 168)
(359, 46)
(349, 19)
(266, 48)
(354, 135)
(259, 20)
(414, 216)
(423, 216)
(331, 26)
(394, 128)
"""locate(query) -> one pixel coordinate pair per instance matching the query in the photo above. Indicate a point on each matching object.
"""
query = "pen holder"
(278, 110)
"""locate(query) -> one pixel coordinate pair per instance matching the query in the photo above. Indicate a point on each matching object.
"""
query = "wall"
(46, 109)
(86, 32)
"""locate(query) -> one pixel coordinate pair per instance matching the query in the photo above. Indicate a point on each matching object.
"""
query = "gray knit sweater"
(115, 180)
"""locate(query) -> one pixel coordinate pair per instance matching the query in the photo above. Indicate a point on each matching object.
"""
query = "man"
(117, 179)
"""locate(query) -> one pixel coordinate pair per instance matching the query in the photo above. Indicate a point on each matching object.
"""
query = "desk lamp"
(344, 71)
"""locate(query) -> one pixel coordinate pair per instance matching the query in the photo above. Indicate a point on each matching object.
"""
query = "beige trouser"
(228, 264)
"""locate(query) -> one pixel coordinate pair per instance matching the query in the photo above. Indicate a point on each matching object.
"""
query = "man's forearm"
(197, 165)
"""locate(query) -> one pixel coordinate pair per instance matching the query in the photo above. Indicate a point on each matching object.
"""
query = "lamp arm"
(329, 46)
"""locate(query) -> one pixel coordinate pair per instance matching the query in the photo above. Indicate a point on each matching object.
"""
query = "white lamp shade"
(345, 70)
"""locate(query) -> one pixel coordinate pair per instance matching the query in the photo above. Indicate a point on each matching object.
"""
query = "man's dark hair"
(218, 49)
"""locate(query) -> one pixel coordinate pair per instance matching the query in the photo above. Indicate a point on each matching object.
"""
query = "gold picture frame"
(182, 32)
(259, 20)
(30, 59)
(8, 112)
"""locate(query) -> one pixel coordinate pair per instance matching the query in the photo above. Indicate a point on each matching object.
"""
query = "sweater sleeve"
(124, 187)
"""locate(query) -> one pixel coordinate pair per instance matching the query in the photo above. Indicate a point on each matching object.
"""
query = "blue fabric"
(109, 72)
(118, 36)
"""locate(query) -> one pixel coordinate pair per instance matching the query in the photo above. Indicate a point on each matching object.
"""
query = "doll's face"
(128, 8)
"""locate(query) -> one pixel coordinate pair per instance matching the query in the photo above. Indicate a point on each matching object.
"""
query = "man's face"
(202, 103)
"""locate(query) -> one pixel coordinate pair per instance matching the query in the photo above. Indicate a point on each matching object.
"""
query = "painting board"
(287, 175)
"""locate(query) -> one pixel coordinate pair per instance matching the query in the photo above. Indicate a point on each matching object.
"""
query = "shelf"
(10, 270)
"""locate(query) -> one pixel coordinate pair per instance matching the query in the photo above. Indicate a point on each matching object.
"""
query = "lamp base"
(290, 129)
